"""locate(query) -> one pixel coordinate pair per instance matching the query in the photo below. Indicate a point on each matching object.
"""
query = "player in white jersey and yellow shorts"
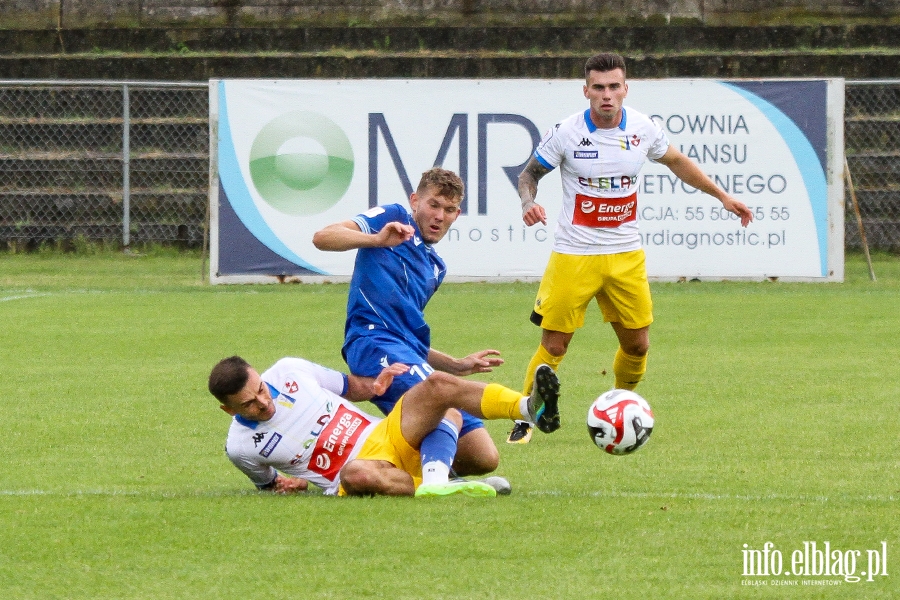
(293, 426)
(617, 282)
(597, 249)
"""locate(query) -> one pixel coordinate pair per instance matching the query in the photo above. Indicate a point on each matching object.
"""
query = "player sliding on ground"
(293, 425)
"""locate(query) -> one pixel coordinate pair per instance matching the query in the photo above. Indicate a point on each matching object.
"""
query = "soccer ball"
(620, 422)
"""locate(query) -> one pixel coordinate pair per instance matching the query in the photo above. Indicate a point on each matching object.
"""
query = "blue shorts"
(368, 355)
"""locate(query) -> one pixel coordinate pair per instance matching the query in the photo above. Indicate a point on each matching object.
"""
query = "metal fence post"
(126, 167)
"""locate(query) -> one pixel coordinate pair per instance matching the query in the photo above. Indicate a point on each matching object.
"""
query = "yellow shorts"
(617, 281)
(386, 442)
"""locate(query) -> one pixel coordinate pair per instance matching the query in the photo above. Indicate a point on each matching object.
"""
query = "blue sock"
(438, 450)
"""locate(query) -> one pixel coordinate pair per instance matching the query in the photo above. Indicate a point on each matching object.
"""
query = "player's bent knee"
(637, 349)
(441, 388)
(556, 343)
(487, 462)
(476, 454)
(490, 459)
(358, 478)
(476, 465)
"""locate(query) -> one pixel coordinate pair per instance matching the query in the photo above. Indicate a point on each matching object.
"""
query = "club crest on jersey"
(290, 387)
(626, 143)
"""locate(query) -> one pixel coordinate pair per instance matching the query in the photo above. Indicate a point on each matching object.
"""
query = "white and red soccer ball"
(620, 421)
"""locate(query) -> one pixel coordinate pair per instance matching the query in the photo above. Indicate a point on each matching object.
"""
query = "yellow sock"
(500, 402)
(541, 357)
(629, 370)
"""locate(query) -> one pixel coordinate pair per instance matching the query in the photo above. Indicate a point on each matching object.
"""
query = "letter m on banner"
(459, 125)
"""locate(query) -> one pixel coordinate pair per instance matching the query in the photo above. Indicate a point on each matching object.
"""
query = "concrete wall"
(50, 14)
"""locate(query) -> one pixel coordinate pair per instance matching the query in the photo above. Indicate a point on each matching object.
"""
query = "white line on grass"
(22, 297)
(128, 292)
(130, 493)
(536, 493)
(709, 496)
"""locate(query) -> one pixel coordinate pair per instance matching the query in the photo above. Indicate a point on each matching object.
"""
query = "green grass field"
(777, 421)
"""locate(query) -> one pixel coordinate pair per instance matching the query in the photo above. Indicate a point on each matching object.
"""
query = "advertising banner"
(289, 157)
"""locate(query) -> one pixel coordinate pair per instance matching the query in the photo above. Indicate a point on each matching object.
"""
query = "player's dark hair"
(228, 377)
(603, 62)
(447, 183)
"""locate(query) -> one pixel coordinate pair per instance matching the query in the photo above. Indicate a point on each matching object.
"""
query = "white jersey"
(313, 434)
(599, 172)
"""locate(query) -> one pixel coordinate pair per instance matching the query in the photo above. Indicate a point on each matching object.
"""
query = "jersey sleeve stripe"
(543, 162)
(363, 224)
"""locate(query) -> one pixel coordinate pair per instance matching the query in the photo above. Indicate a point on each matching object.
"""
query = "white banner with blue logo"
(291, 156)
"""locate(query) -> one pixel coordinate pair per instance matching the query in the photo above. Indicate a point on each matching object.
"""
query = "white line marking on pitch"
(710, 496)
(23, 297)
(551, 493)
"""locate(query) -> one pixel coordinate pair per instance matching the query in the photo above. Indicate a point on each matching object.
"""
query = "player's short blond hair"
(447, 183)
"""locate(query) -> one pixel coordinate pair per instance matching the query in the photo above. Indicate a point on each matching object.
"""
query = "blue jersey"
(386, 305)
(391, 286)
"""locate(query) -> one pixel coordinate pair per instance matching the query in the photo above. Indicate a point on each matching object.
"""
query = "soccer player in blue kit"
(395, 275)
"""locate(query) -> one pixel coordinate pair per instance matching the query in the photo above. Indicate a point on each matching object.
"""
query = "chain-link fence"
(872, 147)
(125, 162)
(128, 162)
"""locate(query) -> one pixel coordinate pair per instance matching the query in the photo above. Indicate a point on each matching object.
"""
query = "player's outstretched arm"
(346, 235)
(689, 172)
(478, 362)
(364, 388)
